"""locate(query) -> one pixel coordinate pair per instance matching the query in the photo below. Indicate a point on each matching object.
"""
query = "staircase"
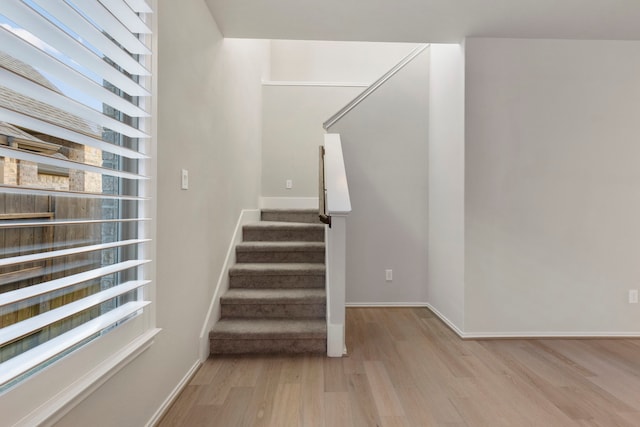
(276, 302)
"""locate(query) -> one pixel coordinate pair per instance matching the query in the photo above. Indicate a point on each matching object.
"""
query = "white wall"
(551, 184)
(324, 61)
(292, 132)
(385, 144)
(445, 291)
(209, 122)
(310, 81)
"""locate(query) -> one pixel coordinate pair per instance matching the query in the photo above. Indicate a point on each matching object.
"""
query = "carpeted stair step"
(274, 303)
(241, 336)
(267, 231)
(291, 215)
(278, 275)
(286, 252)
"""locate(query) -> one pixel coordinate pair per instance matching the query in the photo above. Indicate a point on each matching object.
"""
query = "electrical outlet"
(288, 184)
(633, 296)
(388, 274)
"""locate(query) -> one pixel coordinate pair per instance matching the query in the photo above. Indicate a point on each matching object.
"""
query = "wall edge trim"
(164, 407)
(246, 215)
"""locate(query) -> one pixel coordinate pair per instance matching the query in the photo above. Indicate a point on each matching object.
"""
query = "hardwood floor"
(406, 368)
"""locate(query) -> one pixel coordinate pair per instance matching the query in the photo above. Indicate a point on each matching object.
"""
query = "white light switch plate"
(185, 179)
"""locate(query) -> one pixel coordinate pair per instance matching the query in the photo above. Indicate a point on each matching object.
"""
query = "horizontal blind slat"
(27, 53)
(103, 18)
(12, 189)
(38, 125)
(139, 6)
(15, 153)
(61, 102)
(126, 16)
(33, 324)
(98, 39)
(47, 223)
(45, 288)
(28, 360)
(64, 282)
(4, 262)
(44, 30)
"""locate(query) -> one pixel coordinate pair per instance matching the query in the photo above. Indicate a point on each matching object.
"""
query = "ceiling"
(435, 21)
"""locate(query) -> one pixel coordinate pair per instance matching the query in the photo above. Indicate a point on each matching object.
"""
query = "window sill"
(54, 409)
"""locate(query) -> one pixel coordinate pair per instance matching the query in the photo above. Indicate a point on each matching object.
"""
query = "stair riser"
(280, 256)
(258, 346)
(265, 235)
(277, 282)
(273, 311)
(306, 217)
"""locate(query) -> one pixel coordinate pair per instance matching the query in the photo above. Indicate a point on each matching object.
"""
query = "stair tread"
(274, 296)
(277, 269)
(269, 329)
(279, 246)
(284, 210)
(283, 225)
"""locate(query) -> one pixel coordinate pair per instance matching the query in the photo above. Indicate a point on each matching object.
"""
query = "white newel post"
(338, 207)
(336, 273)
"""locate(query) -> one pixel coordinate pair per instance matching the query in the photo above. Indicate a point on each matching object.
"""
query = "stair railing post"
(338, 206)
(336, 281)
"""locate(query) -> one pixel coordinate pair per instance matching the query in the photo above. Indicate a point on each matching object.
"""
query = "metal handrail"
(322, 191)
(374, 86)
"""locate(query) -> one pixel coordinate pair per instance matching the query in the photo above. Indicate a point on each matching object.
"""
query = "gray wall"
(552, 230)
(385, 144)
(291, 133)
(209, 122)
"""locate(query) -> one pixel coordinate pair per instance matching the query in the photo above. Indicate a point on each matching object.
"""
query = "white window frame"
(45, 397)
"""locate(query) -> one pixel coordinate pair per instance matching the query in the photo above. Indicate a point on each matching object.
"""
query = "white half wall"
(327, 61)
(385, 145)
(292, 132)
(445, 290)
(551, 186)
(209, 122)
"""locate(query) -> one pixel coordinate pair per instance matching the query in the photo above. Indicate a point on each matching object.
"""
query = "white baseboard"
(335, 340)
(543, 335)
(528, 334)
(288, 203)
(213, 314)
(446, 321)
(386, 304)
(155, 419)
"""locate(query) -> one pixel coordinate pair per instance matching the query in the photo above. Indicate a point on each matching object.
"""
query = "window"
(75, 88)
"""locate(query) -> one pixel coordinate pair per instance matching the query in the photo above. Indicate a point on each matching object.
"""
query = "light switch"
(185, 179)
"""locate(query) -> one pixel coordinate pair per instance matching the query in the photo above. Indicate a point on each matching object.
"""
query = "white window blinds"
(75, 84)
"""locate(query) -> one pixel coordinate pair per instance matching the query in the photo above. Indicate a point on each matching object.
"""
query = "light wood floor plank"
(287, 406)
(313, 395)
(383, 391)
(406, 368)
(337, 409)
(260, 408)
(363, 407)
